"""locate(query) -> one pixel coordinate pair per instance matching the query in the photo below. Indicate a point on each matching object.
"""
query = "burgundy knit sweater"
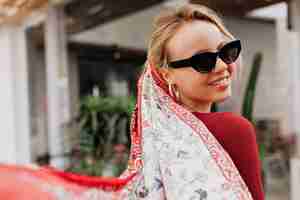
(237, 136)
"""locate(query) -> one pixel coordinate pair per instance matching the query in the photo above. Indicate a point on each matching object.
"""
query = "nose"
(221, 66)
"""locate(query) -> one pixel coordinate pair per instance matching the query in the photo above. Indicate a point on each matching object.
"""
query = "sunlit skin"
(195, 92)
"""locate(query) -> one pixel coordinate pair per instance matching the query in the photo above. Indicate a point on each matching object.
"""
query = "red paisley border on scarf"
(136, 127)
(222, 159)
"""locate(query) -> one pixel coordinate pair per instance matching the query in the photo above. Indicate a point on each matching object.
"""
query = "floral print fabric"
(173, 157)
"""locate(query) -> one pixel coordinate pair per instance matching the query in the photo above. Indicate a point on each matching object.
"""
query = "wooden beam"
(228, 7)
(260, 4)
(86, 14)
(236, 8)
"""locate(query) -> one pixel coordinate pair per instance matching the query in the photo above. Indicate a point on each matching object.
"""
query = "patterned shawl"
(173, 156)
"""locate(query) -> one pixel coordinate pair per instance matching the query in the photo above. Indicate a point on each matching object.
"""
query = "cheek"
(232, 68)
(193, 86)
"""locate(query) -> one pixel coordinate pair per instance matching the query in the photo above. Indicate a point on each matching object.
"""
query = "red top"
(237, 136)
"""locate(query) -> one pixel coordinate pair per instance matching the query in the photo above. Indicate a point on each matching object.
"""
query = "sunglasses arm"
(181, 63)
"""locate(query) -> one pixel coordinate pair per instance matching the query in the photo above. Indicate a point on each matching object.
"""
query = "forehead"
(195, 36)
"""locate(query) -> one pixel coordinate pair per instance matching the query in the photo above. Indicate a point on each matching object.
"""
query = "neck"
(193, 106)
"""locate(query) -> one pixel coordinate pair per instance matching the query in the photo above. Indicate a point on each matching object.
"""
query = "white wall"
(259, 36)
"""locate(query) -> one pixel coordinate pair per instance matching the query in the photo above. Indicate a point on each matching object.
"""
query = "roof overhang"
(236, 7)
(82, 15)
(14, 11)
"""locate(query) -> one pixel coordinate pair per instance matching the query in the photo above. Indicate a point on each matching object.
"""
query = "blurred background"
(68, 82)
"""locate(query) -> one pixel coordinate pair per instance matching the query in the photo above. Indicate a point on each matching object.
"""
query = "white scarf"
(173, 157)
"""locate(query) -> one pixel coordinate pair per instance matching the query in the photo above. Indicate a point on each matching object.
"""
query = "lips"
(220, 81)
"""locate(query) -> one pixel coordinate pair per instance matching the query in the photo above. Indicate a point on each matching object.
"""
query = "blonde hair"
(168, 22)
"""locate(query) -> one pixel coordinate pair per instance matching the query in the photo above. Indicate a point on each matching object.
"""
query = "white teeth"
(221, 82)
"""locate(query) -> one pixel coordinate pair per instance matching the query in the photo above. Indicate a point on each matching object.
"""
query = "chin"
(223, 97)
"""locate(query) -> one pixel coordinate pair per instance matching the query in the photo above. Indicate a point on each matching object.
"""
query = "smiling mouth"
(225, 81)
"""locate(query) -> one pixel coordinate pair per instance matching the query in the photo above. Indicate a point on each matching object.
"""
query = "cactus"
(248, 103)
(247, 109)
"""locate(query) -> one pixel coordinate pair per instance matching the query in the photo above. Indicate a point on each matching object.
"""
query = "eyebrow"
(218, 48)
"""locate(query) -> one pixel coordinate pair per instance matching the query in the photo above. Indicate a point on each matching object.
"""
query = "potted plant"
(104, 135)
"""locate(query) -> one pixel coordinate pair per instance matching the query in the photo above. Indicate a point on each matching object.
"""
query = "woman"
(180, 150)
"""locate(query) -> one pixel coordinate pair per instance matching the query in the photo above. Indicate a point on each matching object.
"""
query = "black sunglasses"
(206, 62)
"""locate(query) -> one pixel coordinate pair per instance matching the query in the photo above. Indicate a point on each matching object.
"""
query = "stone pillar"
(295, 19)
(14, 101)
(294, 95)
(57, 84)
(288, 51)
(293, 101)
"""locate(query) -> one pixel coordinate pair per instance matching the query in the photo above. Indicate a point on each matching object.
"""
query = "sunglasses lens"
(230, 52)
(204, 62)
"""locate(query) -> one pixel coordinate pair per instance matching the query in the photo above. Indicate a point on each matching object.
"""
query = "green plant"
(248, 103)
(104, 125)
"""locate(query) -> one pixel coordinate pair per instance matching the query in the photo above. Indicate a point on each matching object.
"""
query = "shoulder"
(237, 122)
(234, 117)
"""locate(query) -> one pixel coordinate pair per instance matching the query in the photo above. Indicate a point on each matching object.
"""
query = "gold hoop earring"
(174, 92)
